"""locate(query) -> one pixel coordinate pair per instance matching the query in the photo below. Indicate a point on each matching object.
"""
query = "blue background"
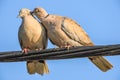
(99, 18)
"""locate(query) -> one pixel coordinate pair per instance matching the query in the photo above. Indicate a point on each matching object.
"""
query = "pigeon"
(65, 32)
(32, 36)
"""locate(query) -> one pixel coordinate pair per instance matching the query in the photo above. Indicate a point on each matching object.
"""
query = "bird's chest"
(25, 37)
(55, 35)
(52, 32)
(29, 36)
(26, 32)
(52, 29)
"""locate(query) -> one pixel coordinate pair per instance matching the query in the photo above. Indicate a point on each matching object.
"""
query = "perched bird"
(32, 36)
(65, 32)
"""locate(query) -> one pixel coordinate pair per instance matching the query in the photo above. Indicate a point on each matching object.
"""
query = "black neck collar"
(46, 16)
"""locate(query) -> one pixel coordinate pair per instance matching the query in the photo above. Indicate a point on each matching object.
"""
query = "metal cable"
(61, 53)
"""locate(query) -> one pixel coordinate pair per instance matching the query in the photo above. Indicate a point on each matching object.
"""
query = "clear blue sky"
(99, 18)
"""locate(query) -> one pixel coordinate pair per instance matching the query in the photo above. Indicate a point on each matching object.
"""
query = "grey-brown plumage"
(63, 31)
(32, 36)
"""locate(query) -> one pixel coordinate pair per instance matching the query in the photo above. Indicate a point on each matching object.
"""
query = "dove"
(65, 32)
(32, 36)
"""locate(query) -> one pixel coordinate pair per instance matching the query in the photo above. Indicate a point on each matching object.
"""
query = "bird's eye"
(36, 10)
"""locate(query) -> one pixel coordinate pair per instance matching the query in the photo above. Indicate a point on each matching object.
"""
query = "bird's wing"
(75, 32)
(19, 38)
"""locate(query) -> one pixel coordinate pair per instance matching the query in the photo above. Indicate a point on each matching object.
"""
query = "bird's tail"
(101, 63)
(39, 67)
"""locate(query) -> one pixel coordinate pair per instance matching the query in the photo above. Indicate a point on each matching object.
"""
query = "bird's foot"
(66, 46)
(38, 49)
(25, 50)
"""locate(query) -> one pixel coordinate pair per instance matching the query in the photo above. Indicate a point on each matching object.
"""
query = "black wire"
(63, 53)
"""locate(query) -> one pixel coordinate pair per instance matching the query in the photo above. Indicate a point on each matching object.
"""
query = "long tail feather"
(101, 63)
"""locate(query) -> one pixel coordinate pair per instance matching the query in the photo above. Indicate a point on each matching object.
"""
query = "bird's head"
(24, 12)
(40, 12)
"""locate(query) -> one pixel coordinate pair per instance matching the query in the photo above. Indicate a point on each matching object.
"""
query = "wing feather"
(75, 32)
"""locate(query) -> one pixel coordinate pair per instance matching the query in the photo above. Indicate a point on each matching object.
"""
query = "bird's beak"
(31, 12)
